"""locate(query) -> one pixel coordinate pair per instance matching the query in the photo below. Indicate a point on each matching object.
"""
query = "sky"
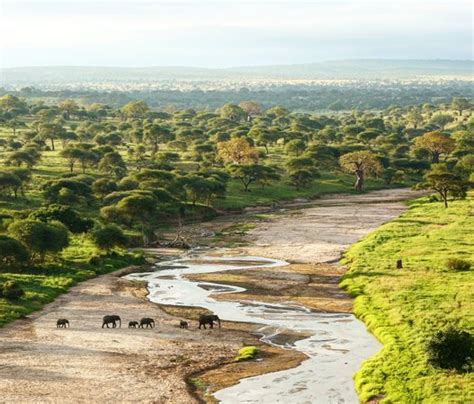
(224, 33)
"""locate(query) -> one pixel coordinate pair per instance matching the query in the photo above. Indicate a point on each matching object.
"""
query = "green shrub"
(11, 290)
(451, 349)
(246, 353)
(457, 264)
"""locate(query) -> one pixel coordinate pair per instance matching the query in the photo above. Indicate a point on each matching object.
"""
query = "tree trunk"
(52, 144)
(359, 180)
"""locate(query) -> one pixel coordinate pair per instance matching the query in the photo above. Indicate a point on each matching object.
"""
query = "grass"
(236, 198)
(405, 307)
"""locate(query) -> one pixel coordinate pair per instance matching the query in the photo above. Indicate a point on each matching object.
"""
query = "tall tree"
(361, 164)
(435, 143)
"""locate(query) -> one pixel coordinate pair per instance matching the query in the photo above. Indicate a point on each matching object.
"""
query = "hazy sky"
(230, 32)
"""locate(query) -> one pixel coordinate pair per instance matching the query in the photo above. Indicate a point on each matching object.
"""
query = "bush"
(11, 290)
(108, 237)
(12, 252)
(247, 352)
(457, 264)
(451, 349)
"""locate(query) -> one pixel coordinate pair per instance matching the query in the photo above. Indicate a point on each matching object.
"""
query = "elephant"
(62, 323)
(112, 319)
(183, 324)
(208, 319)
(132, 324)
(148, 322)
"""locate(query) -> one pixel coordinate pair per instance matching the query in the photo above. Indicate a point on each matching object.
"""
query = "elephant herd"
(111, 321)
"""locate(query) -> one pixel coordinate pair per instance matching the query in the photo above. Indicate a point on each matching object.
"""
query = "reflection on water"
(337, 346)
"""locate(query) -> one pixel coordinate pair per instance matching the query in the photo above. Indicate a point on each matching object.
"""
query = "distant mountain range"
(364, 69)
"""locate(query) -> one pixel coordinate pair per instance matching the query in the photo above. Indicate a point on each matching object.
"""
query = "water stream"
(337, 345)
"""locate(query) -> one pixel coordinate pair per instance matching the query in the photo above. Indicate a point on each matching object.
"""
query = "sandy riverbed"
(40, 363)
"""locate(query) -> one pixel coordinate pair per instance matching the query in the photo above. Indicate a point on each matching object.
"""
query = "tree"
(155, 134)
(67, 191)
(232, 112)
(51, 131)
(112, 163)
(108, 237)
(442, 120)
(41, 238)
(251, 108)
(137, 207)
(64, 214)
(460, 104)
(250, 173)
(263, 136)
(72, 155)
(29, 157)
(14, 124)
(361, 164)
(301, 178)
(9, 183)
(295, 147)
(445, 182)
(435, 143)
(12, 252)
(135, 109)
(103, 187)
(237, 151)
(68, 107)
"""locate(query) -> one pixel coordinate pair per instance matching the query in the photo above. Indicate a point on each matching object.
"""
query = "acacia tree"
(135, 109)
(445, 182)
(72, 155)
(237, 151)
(41, 238)
(460, 104)
(108, 237)
(251, 108)
(68, 107)
(250, 173)
(361, 164)
(435, 143)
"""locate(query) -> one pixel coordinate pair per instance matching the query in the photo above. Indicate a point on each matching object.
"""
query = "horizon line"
(236, 67)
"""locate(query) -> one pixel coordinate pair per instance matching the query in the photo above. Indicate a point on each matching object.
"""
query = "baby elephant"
(183, 324)
(62, 323)
(148, 322)
(133, 324)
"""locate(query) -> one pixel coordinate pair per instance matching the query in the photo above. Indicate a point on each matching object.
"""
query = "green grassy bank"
(405, 307)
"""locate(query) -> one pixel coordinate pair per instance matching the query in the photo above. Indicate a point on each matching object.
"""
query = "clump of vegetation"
(452, 349)
(246, 353)
(458, 264)
(11, 290)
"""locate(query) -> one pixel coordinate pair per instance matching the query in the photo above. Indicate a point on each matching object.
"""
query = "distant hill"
(369, 69)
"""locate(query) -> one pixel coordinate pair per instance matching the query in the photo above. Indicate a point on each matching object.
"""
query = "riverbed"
(337, 345)
(338, 342)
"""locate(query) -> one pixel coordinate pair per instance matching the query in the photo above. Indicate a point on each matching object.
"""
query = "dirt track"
(86, 363)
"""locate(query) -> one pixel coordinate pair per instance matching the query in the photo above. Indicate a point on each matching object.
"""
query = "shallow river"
(336, 348)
